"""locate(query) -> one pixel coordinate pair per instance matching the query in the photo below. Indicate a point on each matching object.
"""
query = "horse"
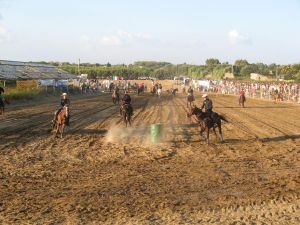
(140, 90)
(126, 113)
(60, 122)
(242, 100)
(115, 97)
(206, 122)
(277, 96)
(173, 91)
(3, 102)
(190, 100)
(153, 90)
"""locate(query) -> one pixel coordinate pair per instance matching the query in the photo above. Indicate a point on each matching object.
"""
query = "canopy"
(12, 70)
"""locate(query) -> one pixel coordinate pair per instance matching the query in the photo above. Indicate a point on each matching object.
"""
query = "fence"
(289, 92)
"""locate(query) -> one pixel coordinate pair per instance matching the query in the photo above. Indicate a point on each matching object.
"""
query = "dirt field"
(103, 173)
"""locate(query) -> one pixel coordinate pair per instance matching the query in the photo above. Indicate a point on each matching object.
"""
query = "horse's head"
(195, 111)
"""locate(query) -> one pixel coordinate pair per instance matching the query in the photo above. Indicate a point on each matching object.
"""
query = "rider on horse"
(126, 100)
(242, 97)
(64, 101)
(242, 93)
(116, 92)
(191, 93)
(190, 90)
(208, 106)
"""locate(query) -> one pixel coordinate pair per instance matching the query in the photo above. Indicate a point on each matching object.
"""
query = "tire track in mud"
(259, 121)
(276, 116)
(88, 181)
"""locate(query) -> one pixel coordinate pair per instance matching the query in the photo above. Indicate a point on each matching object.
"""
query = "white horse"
(159, 92)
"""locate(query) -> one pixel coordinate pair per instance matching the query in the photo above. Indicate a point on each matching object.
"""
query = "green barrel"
(155, 132)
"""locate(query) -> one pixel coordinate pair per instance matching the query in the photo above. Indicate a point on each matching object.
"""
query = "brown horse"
(60, 122)
(242, 100)
(206, 122)
(173, 91)
(3, 102)
(115, 97)
(126, 113)
(153, 90)
(277, 96)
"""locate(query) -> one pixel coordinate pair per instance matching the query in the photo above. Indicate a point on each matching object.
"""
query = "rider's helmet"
(64, 95)
(204, 96)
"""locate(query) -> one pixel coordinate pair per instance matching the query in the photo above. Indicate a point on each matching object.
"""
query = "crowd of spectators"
(266, 90)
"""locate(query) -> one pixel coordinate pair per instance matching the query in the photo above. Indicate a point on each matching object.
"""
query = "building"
(228, 76)
(13, 70)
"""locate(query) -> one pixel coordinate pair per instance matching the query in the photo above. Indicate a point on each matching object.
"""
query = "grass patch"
(32, 93)
(20, 94)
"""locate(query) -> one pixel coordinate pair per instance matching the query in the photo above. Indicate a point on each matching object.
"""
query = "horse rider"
(111, 86)
(126, 100)
(208, 106)
(190, 92)
(117, 91)
(64, 101)
(242, 93)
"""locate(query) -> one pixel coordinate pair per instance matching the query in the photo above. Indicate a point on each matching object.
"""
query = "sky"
(176, 31)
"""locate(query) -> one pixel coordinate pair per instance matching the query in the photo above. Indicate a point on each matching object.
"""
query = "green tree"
(247, 70)
(212, 62)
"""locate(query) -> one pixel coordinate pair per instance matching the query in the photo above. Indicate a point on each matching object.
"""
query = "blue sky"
(164, 30)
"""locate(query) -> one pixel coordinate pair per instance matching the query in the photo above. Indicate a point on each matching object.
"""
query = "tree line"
(212, 68)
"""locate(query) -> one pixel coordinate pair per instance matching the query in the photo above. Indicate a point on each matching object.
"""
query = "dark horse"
(60, 122)
(206, 122)
(115, 97)
(126, 113)
(3, 102)
(190, 100)
(173, 91)
(140, 90)
(242, 100)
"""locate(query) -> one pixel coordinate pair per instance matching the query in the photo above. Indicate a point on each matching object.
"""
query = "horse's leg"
(214, 129)
(129, 120)
(207, 134)
(62, 130)
(57, 128)
(220, 131)
(201, 132)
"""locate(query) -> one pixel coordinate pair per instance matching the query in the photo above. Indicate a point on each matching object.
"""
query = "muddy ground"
(103, 173)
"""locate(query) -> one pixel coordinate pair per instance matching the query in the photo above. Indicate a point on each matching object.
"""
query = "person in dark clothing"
(126, 100)
(111, 87)
(208, 106)
(1, 97)
(190, 91)
(64, 101)
(117, 92)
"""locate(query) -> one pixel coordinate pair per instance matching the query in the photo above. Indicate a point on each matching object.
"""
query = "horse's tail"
(223, 118)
